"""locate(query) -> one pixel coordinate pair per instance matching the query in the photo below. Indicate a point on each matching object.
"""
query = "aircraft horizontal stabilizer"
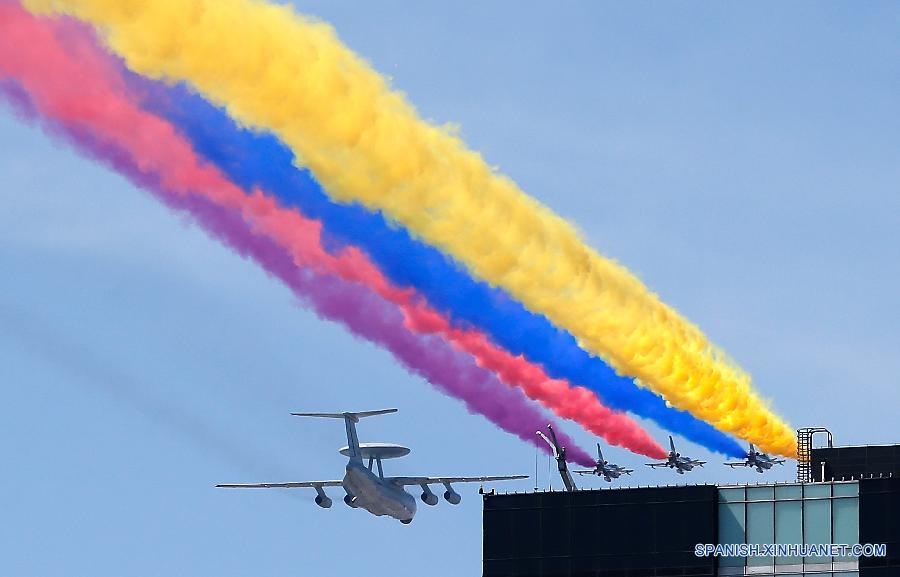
(350, 419)
(355, 416)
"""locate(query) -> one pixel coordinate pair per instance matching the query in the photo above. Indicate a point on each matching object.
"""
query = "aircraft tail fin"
(672, 443)
(350, 420)
(599, 454)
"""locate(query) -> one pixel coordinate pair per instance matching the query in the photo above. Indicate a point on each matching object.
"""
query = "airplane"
(606, 469)
(370, 490)
(761, 461)
(677, 462)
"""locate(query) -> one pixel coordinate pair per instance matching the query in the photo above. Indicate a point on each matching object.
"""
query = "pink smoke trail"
(301, 237)
(67, 84)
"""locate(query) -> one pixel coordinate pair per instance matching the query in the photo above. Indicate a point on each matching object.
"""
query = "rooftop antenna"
(549, 475)
(559, 453)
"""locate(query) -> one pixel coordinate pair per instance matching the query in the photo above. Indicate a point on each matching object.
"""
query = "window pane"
(817, 526)
(819, 490)
(789, 528)
(760, 494)
(845, 514)
(846, 489)
(760, 529)
(731, 495)
(789, 492)
(731, 530)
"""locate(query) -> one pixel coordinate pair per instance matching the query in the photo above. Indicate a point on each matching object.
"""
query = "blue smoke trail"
(253, 159)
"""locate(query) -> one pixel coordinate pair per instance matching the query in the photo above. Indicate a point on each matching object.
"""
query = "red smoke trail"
(576, 403)
(98, 91)
(43, 96)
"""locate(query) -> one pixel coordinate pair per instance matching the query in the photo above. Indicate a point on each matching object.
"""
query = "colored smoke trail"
(258, 160)
(253, 167)
(277, 70)
(370, 317)
(98, 119)
(572, 403)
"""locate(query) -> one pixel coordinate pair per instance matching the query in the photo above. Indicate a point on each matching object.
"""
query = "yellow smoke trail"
(275, 69)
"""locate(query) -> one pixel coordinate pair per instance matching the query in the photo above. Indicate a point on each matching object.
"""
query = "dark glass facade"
(837, 463)
(879, 522)
(605, 533)
(652, 532)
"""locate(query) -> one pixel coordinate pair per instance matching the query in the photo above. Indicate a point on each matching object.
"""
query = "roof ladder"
(804, 451)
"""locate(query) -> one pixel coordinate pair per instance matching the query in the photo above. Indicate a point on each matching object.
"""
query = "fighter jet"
(369, 489)
(606, 469)
(761, 461)
(677, 462)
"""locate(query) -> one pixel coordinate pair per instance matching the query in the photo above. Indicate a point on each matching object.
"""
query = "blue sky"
(742, 160)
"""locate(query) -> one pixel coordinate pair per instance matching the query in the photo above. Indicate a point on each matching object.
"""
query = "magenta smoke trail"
(370, 317)
(361, 311)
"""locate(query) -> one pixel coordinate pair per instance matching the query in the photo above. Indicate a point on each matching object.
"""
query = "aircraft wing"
(586, 472)
(435, 480)
(741, 464)
(654, 465)
(309, 484)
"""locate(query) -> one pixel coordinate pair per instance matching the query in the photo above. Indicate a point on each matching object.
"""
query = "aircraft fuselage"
(761, 465)
(376, 495)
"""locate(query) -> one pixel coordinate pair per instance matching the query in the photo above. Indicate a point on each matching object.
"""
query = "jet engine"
(452, 497)
(322, 500)
(350, 500)
(428, 497)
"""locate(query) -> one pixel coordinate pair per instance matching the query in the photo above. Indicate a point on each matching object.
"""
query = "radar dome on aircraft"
(378, 451)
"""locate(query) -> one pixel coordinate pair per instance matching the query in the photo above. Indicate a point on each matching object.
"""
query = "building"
(652, 532)
(836, 463)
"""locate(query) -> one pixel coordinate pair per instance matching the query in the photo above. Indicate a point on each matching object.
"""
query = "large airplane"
(606, 469)
(370, 490)
(677, 462)
(761, 461)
